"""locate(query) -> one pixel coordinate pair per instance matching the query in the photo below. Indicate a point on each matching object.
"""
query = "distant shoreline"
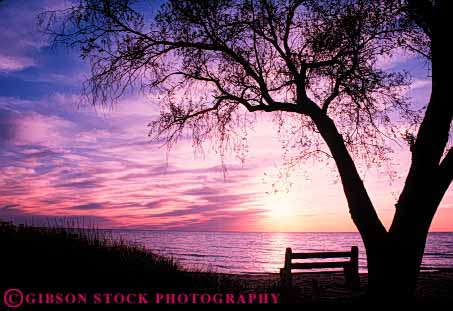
(91, 226)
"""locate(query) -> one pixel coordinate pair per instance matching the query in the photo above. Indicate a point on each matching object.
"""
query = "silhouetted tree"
(311, 63)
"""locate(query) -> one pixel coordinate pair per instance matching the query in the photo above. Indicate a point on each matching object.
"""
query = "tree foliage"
(212, 61)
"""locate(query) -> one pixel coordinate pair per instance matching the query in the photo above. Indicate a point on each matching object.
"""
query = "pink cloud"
(104, 166)
(35, 128)
(398, 57)
(15, 63)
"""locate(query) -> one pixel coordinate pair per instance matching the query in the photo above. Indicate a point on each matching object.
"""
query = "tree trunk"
(394, 257)
(393, 268)
(394, 262)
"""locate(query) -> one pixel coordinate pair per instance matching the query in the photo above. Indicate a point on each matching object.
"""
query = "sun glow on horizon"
(282, 211)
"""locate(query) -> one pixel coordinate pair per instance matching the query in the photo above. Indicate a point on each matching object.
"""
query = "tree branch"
(360, 206)
(286, 56)
(332, 96)
(446, 170)
(421, 11)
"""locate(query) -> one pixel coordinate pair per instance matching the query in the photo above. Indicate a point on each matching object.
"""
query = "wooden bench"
(350, 267)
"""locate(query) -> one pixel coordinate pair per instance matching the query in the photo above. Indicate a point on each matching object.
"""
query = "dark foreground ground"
(434, 287)
(74, 260)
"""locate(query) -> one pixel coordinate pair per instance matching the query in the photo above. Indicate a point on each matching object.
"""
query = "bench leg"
(285, 278)
(352, 278)
(355, 279)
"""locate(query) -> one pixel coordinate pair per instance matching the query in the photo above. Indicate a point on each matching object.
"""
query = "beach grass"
(71, 257)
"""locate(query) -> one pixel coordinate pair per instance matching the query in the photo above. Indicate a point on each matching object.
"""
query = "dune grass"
(72, 257)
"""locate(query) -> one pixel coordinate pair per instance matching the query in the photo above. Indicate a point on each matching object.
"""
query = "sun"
(281, 210)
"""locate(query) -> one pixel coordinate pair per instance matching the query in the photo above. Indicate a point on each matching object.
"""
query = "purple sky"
(62, 160)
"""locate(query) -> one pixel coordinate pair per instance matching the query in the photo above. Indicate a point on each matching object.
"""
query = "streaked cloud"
(63, 160)
(10, 63)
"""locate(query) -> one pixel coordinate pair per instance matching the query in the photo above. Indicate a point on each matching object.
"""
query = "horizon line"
(93, 226)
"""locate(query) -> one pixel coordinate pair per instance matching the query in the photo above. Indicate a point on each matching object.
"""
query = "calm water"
(264, 252)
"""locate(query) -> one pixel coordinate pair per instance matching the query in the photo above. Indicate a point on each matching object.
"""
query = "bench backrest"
(353, 261)
(350, 267)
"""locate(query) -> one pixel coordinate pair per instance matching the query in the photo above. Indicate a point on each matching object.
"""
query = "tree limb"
(446, 170)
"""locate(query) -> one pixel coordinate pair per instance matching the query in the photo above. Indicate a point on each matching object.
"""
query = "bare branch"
(446, 170)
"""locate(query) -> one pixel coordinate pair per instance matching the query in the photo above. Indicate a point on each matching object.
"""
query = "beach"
(434, 287)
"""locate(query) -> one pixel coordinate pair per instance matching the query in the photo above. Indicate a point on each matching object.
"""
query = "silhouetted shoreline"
(84, 259)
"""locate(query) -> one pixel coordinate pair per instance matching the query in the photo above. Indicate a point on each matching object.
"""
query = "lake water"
(238, 252)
